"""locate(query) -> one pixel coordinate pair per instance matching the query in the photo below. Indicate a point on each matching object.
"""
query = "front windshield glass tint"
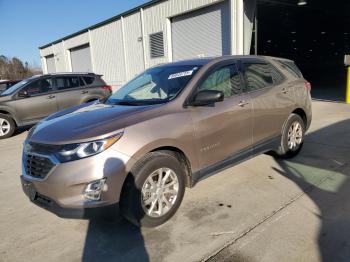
(155, 85)
(17, 86)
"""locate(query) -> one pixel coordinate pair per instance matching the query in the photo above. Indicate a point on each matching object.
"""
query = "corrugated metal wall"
(133, 44)
(60, 60)
(108, 55)
(155, 20)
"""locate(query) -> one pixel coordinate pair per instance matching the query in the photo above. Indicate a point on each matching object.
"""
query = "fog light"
(94, 189)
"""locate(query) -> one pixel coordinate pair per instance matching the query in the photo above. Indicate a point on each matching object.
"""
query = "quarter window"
(257, 76)
(291, 68)
(225, 79)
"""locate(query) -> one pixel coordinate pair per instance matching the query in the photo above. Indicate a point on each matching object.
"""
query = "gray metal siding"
(50, 64)
(108, 53)
(205, 32)
(81, 59)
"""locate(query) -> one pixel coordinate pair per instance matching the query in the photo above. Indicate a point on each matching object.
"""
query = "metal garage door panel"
(205, 32)
(50, 64)
(81, 59)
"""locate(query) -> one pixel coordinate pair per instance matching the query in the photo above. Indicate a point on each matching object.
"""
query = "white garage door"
(205, 32)
(50, 64)
(81, 59)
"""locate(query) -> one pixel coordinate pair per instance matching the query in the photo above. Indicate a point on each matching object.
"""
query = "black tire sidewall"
(131, 206)
(12, 126)
(284, 151)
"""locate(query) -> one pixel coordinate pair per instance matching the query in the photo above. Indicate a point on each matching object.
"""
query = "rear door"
(70, 91)
(271, 99)
(225, 128)
(41, 101)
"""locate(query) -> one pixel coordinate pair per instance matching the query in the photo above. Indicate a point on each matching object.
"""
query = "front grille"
(37, 166)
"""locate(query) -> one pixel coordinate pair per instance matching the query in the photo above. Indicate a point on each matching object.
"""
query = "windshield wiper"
(139, 102)
(129, 103)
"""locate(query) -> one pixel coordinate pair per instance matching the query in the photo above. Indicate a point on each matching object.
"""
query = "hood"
(4, 98)
(89, 122)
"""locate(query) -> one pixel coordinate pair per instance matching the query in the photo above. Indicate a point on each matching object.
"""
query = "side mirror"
(23, 94)
(207, 97)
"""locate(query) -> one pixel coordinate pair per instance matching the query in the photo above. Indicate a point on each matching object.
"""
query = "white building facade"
(157, 32)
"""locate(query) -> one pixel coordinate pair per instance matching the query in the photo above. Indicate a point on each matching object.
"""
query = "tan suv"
(165, 130)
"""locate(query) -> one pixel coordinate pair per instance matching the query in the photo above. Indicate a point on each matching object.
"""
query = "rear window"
(291, 67)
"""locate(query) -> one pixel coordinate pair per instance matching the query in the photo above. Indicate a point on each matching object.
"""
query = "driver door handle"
(243, 103)
(50, 97)
(84, 92)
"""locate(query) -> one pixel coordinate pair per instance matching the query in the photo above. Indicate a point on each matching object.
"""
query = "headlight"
(78, 151)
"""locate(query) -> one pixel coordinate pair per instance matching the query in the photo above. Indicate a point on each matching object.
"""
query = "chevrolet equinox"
(165, 130)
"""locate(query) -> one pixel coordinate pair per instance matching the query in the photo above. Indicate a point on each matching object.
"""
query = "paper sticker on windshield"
(181, 74)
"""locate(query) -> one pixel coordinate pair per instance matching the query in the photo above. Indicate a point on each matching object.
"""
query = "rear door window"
(88, 80)
(67, 82)
(277, 76)
(257, 75)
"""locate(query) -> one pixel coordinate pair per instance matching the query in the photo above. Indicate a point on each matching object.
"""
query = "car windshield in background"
(155, 85)
(17, 86)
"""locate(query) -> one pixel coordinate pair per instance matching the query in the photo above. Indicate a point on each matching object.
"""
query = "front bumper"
(80, 213)
(61, 191)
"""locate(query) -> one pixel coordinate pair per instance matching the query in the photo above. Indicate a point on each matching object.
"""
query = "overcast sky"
(27, 24)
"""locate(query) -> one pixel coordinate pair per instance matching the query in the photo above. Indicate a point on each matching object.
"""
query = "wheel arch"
(177, 152)
(9, 113)
(301, 112)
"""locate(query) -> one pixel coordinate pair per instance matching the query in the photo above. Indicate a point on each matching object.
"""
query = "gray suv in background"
(33, 99)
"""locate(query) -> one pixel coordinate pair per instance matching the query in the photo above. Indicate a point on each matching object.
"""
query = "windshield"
(155, 85)
(17, 86)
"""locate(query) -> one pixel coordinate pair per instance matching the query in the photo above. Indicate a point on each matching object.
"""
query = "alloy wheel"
(4, 127)
(159, 192)
(295, 135)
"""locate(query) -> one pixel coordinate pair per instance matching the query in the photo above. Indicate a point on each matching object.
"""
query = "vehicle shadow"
(322, 171)
(113, 238)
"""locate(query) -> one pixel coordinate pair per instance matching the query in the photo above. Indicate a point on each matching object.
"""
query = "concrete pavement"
(260, 210)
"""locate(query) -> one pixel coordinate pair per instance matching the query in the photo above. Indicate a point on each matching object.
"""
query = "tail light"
(108, 88)
(308, 86)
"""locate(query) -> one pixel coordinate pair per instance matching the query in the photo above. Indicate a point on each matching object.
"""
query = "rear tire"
(292, 140)
(7, 126)
(154, 190)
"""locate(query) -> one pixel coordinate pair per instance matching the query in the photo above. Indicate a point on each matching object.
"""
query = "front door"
(40, 101)
(223, 129)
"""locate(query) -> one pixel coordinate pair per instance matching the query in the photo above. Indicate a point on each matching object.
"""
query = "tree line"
(14, 69)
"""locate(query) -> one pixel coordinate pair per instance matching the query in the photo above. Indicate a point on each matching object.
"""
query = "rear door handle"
(285, 90)
(243, 103)
(50, 97)
(84, 92)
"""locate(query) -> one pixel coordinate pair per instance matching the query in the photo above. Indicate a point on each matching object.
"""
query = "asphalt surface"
(260, 210)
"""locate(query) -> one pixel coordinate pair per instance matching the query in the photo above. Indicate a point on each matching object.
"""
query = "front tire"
(7, 126)
(154, 190)
(292, 140)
